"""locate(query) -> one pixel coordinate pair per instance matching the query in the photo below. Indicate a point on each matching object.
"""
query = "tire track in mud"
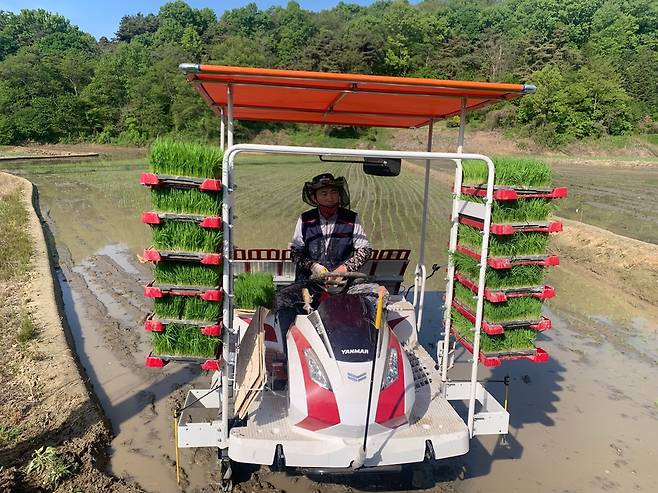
(105, 308)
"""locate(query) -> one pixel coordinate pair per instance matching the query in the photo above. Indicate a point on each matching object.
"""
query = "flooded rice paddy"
(585, 421)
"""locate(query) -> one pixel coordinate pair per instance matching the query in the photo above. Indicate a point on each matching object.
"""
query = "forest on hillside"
(594, 62)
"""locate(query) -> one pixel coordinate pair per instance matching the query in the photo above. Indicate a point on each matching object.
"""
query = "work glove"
(318, 269)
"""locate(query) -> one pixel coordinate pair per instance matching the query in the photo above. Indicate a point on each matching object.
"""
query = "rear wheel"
(225, 475)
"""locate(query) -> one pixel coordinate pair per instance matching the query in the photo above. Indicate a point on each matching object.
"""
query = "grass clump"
(186, 274)
(254, 289)
(530, 243)
(510, 341)
(49, 466)
(15, 245)
(187, 308)
(183, 340)
(170, 157)
(517, 211)
(522, 308)
(9, 433)
(516, 172)
(184, 236)
(186, 201)
(517, 276)
(26, 329)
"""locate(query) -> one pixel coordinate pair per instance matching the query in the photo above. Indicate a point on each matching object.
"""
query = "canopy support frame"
(420, 273)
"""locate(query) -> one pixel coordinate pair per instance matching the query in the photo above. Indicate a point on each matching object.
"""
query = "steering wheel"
(350, 278)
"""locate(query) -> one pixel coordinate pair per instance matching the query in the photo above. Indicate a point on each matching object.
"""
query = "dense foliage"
(595, 62)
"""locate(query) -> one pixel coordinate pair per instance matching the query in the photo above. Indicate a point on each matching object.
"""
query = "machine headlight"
(391, 371)
(315, 370)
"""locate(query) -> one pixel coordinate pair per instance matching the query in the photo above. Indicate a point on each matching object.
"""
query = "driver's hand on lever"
(318, 269)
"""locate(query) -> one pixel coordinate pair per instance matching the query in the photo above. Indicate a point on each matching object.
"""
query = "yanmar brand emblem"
(356, 378)
(354, 351)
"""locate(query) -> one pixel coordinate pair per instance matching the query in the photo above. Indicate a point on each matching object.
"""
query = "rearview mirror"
(381, 166)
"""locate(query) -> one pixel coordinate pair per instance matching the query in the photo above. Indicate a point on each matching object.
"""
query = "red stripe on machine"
(390, 408)
(322, 409)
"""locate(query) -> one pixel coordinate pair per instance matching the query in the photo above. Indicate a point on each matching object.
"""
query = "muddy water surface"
(585, 421)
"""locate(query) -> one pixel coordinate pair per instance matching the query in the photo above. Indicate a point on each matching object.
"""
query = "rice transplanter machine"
(362, 391)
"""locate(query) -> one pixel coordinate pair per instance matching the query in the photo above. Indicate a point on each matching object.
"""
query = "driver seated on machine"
(327, 238)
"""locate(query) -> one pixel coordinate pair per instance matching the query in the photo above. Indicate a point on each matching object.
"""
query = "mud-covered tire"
(279, 463)
(225, 475)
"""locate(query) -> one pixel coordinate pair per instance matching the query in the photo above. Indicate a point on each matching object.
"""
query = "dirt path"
(61, 150)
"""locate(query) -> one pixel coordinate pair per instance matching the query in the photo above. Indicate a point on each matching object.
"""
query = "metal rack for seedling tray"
(536, 355)
(208, 222)
(511, 228)
(160, 361)
(155, 256)
(212, 329)
(502, 192)
(203, 184)
(151, 290)
(504, 294)
(512, 261)
(493, 329)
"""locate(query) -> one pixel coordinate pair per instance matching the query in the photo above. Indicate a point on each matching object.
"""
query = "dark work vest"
(341, 243)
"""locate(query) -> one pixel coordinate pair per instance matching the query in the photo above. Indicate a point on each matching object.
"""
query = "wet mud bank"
(104, 305)
(45, 401)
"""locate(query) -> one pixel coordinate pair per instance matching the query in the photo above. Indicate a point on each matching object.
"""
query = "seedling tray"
(160, 361)
(212, 329)
(497, 296)
(203, 184)
(153, 255)
(209, 222)
(536, 355)
(502, 192)
(509, 262)
(493, 329)
(162, 290)
(511, 228)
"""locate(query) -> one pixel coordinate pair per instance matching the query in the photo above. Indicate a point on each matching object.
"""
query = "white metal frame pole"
(483, 270)
(421, 270)
(227, 173)
(227, 274)
(452, 247)
(222, 129)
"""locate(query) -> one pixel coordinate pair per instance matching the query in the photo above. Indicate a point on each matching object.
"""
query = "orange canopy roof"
(341, 99)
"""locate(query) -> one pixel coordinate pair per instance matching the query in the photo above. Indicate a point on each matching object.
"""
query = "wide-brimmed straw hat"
(326, 180)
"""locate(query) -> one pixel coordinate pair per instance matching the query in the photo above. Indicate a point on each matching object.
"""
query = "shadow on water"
(532, 395)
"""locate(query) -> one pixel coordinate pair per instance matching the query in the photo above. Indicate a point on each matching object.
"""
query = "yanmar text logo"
(354, 351)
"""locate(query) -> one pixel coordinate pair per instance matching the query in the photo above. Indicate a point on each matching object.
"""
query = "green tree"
(135, 25)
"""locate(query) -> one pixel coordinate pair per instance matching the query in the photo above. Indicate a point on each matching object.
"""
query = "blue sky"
(102, 18)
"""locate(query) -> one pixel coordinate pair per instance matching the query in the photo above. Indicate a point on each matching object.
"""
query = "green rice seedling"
(187, 308)
(530, 243)
(184, 236)
(509, 341)
(198, 309)
(184, 340)
(254, 289)
(517, 276)
(170, 157)
(523, 308)
(170, 307)
(186, 274)
(517, 172)
(186, 201)
(517, 211)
